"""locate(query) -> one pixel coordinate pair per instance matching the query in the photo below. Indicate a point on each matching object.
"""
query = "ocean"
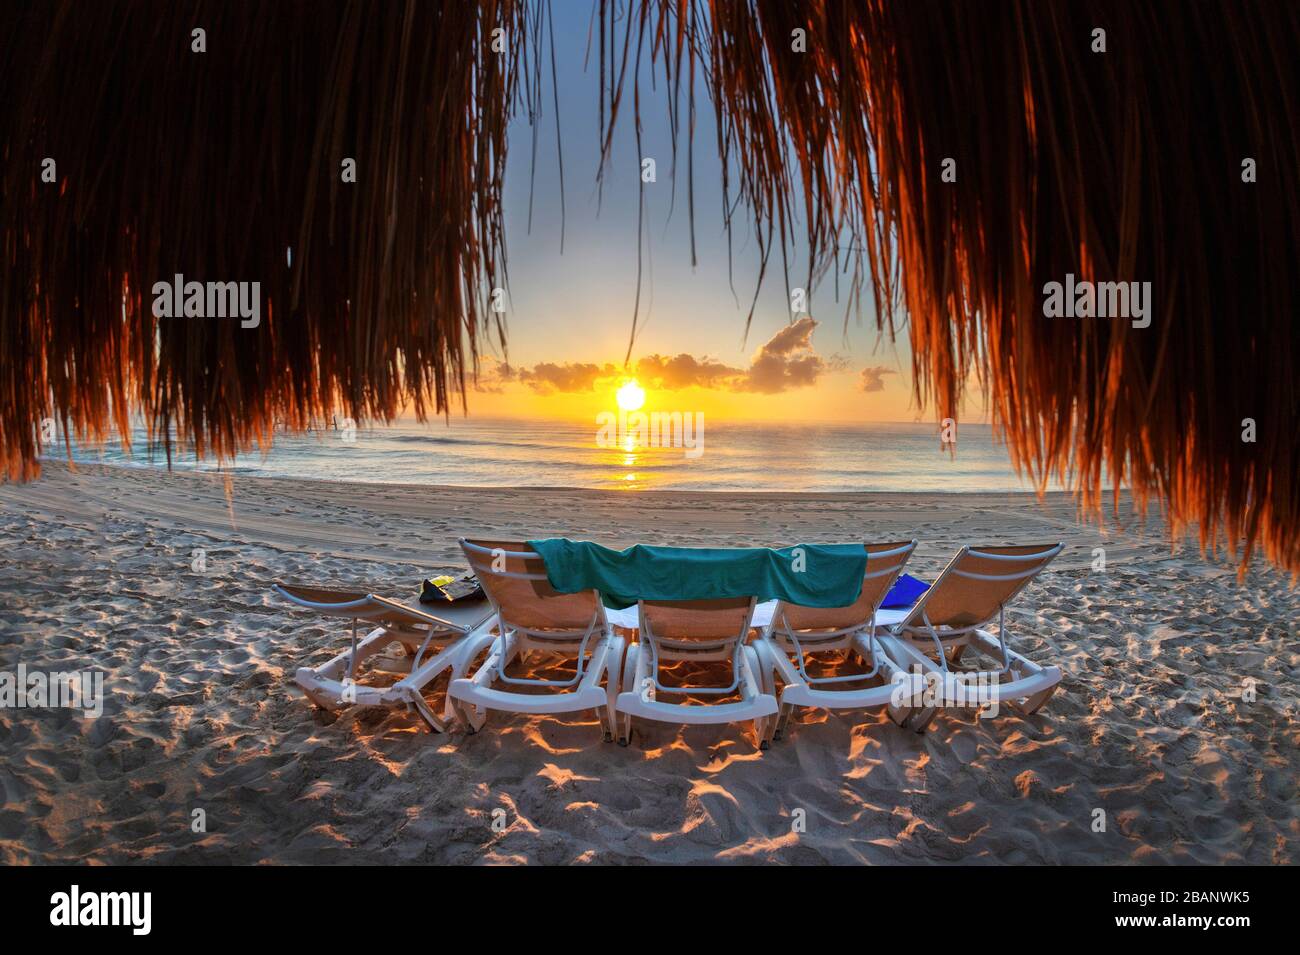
(533, 453)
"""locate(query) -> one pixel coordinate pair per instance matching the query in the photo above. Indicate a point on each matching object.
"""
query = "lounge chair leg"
(1035, 703)
(899, 714)
(469, 716)
(613, 680)
(426, 714)
(450, 707)
(626, 679)
(765, 727)
(782, 720)
(318, 700)
(921, 719)
(766, 667)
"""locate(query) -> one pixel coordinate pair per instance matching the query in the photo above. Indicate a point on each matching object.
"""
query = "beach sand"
(1149, 725)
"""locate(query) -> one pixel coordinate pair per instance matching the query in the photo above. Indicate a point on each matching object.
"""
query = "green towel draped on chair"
(811, 575)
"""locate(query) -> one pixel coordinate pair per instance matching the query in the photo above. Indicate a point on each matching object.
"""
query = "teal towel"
(824, 575)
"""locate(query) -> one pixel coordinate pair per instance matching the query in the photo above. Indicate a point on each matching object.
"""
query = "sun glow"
(630, 396)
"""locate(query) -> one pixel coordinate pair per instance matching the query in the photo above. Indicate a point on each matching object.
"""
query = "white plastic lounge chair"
(805, 631)
(431, 643)
(694, 630)
(533, 616)
(973, 591)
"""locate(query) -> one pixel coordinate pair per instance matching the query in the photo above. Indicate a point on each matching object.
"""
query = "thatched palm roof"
(227, 165)
(1123, 165)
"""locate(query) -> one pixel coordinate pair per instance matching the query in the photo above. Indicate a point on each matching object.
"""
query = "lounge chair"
(694, 630)
(806, 631)
(334, 685)
(533, 616)
(973, 591)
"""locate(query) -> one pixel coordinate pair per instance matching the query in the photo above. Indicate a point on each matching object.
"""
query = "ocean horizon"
(733, 456)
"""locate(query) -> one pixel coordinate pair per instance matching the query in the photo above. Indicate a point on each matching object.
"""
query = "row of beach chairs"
(781, 655)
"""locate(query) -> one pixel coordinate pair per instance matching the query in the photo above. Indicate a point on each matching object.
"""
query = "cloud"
(787, 360)
(548, 377)
(685, 371)
(492, 375)
(873, 379)
(796, 336)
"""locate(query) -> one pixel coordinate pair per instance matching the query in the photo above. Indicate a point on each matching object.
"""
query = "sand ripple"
(1149, 726)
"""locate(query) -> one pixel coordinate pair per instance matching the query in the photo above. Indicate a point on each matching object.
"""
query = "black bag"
(441, 590)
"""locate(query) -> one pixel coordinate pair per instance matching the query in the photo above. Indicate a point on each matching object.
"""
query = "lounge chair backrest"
(978, 582)
(513, 576)
(884, 563)
(698, 621)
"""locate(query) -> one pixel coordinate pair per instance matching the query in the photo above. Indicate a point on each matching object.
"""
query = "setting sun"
(631, 396)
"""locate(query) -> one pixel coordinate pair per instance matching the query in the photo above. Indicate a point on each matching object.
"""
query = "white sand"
(1149, 724)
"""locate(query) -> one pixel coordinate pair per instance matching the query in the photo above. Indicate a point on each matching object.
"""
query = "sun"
(630, 396)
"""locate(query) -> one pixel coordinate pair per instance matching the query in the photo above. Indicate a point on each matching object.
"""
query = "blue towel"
(823, 575)
(904, 593)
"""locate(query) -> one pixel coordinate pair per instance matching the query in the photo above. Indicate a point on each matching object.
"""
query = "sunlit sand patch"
(1027, 783)
(972, 836)
(580, 732)
(701, 788)
(318, 790)
(759, 848)
(916, 769)
(560, 778)
(913, 826)
(865, 751)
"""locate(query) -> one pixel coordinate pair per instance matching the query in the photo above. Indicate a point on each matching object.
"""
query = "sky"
(569, 315)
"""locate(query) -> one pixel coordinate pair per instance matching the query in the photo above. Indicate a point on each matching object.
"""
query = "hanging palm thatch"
(1117, 166)
(1120, 157)
(221, 157)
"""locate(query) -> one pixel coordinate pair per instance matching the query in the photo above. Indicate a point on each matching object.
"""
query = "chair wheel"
(763, 746)
(609, 737)
(622, 741)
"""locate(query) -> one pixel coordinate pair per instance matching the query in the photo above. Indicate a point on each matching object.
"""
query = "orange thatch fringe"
(226, 165)
(1117, 166)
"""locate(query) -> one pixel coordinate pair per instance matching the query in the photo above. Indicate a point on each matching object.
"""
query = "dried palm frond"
(227, 165)
(1123, 165)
